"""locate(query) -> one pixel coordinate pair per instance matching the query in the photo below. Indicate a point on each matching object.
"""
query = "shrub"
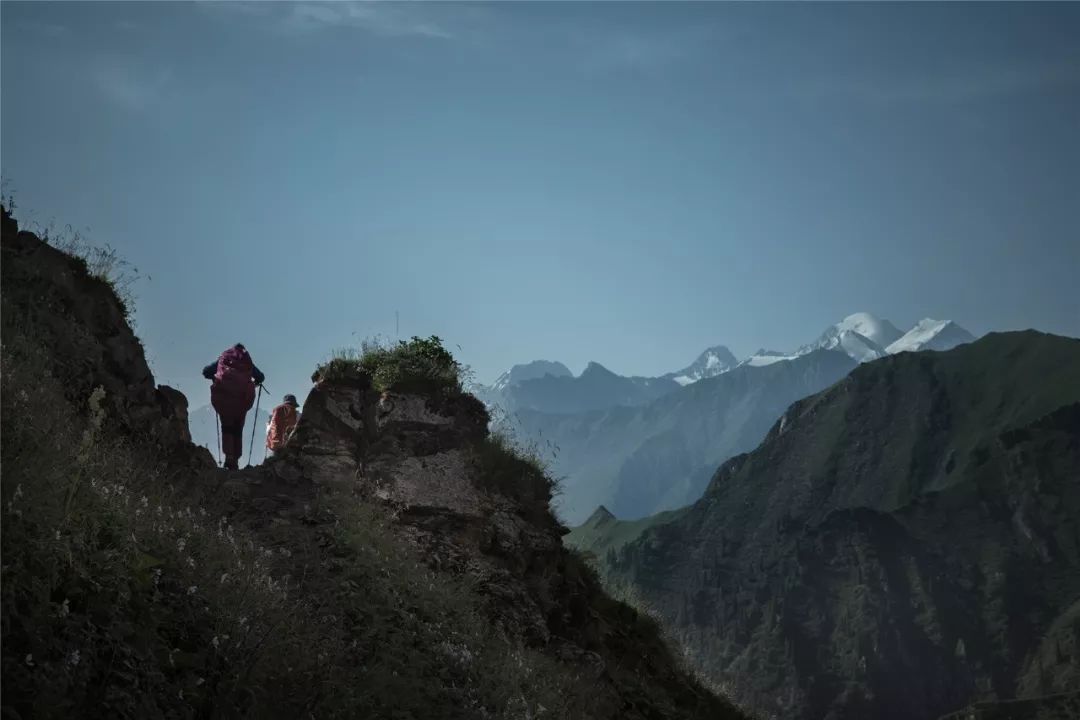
(416, 365)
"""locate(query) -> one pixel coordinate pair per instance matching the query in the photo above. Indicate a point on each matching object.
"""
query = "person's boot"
(232, 463)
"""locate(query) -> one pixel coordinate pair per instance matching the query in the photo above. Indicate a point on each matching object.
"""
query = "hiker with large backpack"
(232, 394)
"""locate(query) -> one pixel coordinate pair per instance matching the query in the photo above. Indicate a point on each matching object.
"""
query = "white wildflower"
(192, 590)
(215, 642)
(65, 608)
(73, 658)
(30, 659)
(181, 544)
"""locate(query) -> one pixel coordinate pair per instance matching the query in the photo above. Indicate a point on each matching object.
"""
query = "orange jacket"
(282, 423)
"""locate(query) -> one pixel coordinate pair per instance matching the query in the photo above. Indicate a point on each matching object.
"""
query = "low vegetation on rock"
(419, 365)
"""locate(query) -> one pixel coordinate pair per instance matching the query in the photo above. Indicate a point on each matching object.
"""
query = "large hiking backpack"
(234, 371)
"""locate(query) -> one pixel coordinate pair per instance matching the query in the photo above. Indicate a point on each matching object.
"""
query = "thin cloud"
(378, 18)
(129, 88)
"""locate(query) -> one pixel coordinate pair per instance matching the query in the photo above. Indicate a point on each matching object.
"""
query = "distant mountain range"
(660, 455)
(549, 386)
(644, 444)
(902, 544)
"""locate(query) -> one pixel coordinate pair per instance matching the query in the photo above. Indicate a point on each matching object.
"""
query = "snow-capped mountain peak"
(714, 361)
(765, 357)
(930, 334)
(861, 335)
(857, 346)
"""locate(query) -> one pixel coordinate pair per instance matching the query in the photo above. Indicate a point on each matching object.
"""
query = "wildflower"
(191, 562)
(57, 534)
(18, 492)
(199, 681)
(30, 659)
(224, 577)
(144, 501)
(65, 608)
(73, 658)
(215, 642)
(191, 590)
(181, 544)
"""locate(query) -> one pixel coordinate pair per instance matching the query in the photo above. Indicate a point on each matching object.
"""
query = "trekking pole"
(255, 424)
(217, 424)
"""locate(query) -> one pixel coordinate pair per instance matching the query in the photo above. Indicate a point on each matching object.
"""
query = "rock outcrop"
(82, 321)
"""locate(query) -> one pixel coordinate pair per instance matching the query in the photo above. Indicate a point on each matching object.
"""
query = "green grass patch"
(416, 365)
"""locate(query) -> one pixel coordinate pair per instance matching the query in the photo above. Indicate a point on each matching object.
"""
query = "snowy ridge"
(930, 334)
(712, 362)
(766, 357)
(864, 338)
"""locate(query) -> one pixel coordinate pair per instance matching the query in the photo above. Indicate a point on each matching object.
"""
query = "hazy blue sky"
(625, 183)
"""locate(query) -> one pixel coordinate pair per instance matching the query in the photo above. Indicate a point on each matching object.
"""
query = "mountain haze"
(638, 460)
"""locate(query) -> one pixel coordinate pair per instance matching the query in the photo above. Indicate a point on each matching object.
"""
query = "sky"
(621, 182)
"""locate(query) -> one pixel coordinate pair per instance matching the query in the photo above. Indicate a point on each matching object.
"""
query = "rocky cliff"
(393, 561)
(900, 545)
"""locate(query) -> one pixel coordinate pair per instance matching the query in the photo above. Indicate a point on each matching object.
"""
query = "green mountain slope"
(900, 545)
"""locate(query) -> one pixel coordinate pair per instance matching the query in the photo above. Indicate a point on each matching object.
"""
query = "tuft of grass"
(416, 365)
(101, 262)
